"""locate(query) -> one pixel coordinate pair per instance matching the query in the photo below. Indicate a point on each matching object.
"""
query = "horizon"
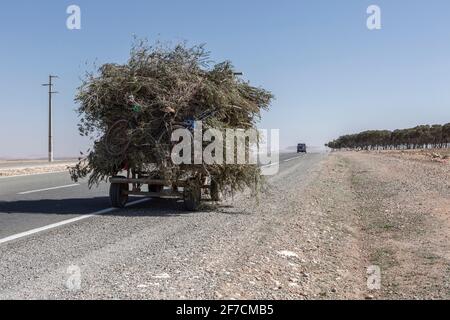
(329, 73)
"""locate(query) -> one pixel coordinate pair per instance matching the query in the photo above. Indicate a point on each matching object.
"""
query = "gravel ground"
(322, 221)
(404, 210)
(423, 155)
(18, 168)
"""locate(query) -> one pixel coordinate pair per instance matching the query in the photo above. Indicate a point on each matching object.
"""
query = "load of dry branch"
(131, 110)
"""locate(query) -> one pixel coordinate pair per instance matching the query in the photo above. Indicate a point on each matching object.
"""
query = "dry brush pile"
(131, 110)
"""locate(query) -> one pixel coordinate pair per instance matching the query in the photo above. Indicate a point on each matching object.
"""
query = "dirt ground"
(405, 208)
(9, 170)
(348, 225)
(362, 213)
(396, 206)
(424, 155)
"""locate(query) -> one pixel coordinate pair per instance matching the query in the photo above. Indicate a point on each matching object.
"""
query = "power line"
(50, 128)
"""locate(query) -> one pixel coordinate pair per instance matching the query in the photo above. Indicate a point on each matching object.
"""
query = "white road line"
(48, 189)
(270, 165)
(65, 222)
(277, 163)
(287, 160)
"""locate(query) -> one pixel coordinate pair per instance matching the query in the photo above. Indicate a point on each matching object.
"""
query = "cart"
(191, 191)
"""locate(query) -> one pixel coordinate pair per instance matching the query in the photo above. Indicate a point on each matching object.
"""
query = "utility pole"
(50, 129)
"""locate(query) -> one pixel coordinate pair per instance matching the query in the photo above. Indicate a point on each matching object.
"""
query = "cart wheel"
(117, 194)
(154, 188)
(214, 191)
(192, 196)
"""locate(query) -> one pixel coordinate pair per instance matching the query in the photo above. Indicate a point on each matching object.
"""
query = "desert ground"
(318, 230)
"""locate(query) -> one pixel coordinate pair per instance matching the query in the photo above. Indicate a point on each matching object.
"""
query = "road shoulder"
(404, 209)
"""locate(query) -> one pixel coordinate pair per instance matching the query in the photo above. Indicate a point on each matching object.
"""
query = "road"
(121, 253)
(35, 201)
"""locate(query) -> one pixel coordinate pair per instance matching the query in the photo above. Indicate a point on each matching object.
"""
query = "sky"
(330, 74)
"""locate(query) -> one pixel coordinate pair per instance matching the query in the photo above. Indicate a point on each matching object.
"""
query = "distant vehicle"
(301, 148)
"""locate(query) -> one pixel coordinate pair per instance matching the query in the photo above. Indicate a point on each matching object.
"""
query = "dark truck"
(301, 148)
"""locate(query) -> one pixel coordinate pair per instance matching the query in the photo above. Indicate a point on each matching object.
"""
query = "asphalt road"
(35, 201)
(24, 207)
(31, 202)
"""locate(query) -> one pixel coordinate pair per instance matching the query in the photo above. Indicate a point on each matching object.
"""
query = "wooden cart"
(190, 191)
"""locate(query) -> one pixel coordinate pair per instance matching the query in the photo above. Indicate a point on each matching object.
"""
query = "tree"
(423, 136)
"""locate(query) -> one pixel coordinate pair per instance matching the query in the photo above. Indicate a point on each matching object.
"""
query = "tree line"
(420, 137)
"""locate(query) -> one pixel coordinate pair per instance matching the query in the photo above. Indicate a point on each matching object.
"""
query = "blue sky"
(330, 74)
